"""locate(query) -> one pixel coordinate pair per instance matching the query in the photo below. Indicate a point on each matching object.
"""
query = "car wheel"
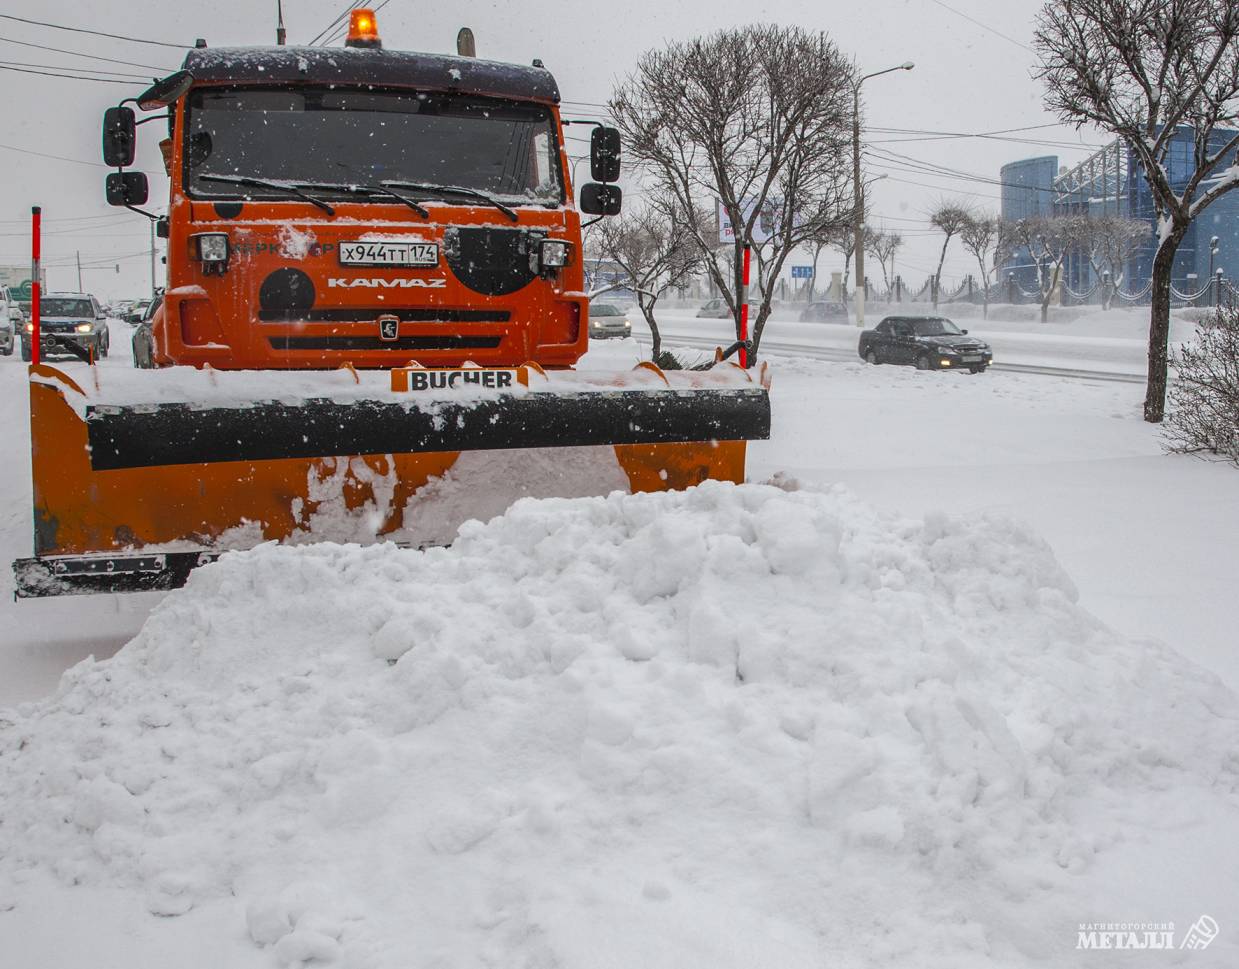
(872, 357)
(26, 352)
(922, 362)
(976, 369)
(8, 351)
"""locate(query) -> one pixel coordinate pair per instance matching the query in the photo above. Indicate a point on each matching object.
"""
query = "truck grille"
(368, 314)
(374, 343)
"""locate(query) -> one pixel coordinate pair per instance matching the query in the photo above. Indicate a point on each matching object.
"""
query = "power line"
(72, 77)
(76, 53)
(80, 70)
(973, 20)
(40, 154)
(96, 33)
(331, 26)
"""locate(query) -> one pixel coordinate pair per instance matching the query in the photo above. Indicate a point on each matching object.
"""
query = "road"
(1083, 356)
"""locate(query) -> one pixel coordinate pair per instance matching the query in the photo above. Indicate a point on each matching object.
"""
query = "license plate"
(972, 359)
(389, 253)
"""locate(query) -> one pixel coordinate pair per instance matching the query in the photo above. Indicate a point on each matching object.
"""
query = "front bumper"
(607, 333)
(962, 361)
(51, 344)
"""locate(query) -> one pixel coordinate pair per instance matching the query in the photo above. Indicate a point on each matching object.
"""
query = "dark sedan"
(924, 342)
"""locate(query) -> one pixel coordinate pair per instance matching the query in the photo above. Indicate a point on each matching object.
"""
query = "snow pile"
(731, 727)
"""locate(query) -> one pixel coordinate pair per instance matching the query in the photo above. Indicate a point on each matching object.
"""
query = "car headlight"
(83, 328)
(555, 253)
(212, 247)
(29, 327)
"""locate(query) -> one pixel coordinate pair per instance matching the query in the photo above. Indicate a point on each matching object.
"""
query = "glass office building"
(1027, 191)
(1109, 182)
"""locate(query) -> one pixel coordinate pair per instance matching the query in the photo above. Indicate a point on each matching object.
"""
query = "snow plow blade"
(131, 495)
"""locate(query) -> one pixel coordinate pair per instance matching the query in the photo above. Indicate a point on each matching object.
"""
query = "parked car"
(143, 342)
(606, 320)
(67, 320)
(11, 321)
(924, 342)
(825, 311)
(137, 312)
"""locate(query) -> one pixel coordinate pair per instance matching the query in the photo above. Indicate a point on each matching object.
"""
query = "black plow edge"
(168, 434)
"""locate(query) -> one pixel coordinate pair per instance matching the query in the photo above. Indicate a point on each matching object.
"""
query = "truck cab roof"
(377, 68)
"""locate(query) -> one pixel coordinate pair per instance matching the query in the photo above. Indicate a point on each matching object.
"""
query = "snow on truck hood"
(739, 726)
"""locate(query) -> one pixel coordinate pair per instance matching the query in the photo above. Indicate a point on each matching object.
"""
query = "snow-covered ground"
(963, 681)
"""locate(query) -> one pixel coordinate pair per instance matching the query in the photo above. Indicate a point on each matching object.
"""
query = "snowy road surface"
(876, 721)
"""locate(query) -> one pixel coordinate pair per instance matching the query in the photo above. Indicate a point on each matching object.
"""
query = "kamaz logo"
(402, 283)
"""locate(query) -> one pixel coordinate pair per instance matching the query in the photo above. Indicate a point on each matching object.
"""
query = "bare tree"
(980, 236)
(1142, 69)
(843, 241)
(654, 248)
(815, 244)
(1109, 241)
(950, 218)
(1048, 241)
(753, 120)
(883, 246)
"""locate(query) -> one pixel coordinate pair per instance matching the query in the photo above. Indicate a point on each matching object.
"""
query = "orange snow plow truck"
(373, 310)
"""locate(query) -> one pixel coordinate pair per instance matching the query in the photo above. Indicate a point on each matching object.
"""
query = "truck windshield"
(503, 148)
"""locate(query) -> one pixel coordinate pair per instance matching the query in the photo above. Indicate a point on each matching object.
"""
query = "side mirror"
(604, 154)
(119, 137)
(15, 314)
(964, 332)
(127, 188)
(599, 199)
(165, 91)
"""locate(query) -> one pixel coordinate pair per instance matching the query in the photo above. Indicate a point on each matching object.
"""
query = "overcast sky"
(967, 79)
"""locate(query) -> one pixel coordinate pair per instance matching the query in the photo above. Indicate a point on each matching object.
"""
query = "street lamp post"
(1212, 254)
(858, 217)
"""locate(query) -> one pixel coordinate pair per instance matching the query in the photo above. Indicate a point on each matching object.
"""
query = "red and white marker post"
(744, 309)
(36, 219)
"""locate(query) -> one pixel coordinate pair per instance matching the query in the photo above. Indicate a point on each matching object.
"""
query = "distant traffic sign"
(802, 272)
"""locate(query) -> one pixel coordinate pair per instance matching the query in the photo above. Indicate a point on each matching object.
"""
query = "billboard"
(765, 227)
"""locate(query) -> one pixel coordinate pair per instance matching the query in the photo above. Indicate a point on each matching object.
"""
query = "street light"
(1212, 254)
(858, 218)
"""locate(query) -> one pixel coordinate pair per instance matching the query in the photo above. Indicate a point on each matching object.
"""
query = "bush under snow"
(731, 727)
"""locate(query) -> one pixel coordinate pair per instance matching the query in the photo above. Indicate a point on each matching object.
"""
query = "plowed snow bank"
(733, 727)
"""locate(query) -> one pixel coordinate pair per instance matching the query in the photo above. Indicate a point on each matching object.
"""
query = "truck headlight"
(555, 253)
(83, 328)
(212, 247)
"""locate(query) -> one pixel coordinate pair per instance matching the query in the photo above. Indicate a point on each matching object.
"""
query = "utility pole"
(152, 258)
(858, 191)
(280, 33)
(80, 288)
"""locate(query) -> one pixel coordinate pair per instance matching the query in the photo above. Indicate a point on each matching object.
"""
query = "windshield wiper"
(288, 187)
(383, 190)
(455, 190)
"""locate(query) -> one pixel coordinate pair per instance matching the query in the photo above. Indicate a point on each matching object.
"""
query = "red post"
(744, 309)
(36, 218)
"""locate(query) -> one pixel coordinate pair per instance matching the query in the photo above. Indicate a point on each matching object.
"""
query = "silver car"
(606, 320)
(69, 321)
(11, 320)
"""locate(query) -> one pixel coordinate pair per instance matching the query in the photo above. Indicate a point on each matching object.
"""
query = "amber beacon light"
(363, 29)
